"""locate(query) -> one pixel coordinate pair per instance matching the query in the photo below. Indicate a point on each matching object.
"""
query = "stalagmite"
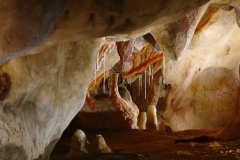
(142, 120)
(161, 126)
(151, 117)
(79, 144)
(99, 145)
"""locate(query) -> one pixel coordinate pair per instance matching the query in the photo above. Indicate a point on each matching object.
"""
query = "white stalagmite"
(161, 126)
(142, 120)
(151, 117)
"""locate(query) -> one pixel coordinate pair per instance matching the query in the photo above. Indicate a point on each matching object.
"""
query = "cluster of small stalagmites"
(81, 146)
(148, 120)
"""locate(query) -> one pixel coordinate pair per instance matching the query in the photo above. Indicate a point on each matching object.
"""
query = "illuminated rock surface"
(181, 56)
(151, 117)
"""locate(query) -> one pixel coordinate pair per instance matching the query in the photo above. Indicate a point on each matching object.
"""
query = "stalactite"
(104, 74)
(163, 70)
(152, 71)
(139, 81)
(145, 85)
(95, 75)
(149, 75)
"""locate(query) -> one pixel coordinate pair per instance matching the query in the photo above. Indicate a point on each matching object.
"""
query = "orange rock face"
(206, 18)
(137, 61)
(126, 109)
(109, 112)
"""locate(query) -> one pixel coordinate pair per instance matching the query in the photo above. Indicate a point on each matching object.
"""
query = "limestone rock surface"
(49, 56)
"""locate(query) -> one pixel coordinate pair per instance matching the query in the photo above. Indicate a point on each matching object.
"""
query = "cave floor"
(151, 145)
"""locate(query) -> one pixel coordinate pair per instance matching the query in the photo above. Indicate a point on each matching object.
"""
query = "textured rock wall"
(41, 93)
(205, 82)
(47, 91)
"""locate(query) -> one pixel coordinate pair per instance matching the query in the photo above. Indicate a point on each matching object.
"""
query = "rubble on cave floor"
(152, 145)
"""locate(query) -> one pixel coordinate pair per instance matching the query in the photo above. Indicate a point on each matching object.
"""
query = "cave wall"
(205, 82)
(40, 104)
(48, 58)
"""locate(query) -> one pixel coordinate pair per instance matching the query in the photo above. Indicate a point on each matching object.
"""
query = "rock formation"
(151, 117)
(53, 52)
(99, 145)
(80, 145)
(109, 110)
(161, 126)
(142, 120)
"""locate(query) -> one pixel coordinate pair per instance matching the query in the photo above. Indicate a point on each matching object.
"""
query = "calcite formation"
(99, 145)
(151, 117)
(142, 120)
(135, 61)
(53, 52)
(161, 126)
(126, 108)
(81, 146)
(112, 110)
